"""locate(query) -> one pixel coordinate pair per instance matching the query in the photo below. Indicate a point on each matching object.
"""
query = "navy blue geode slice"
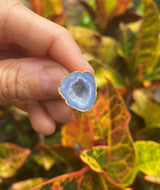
(79, 90)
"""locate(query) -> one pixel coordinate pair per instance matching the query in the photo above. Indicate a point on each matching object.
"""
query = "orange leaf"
(122, 6)
(51, 9)
(108, 113)
(77, 132)
(37, 6)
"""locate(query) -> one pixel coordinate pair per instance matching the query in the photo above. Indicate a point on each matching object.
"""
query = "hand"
(35, 54)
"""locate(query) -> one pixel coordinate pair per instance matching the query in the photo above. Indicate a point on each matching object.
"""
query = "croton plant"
(115, 145)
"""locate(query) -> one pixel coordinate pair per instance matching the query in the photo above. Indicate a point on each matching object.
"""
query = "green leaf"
(43, 159)
(158, 3)
(148, 160)
(155, 74)
(27, 184)
(136, 2)
(84, 179)
(146, 52)
(91, 42)
(52, 7)
(127, 44)
(109, 120)
(110, 6)
(102, 73)
(147, 109)
(86, 21)
(12, 158)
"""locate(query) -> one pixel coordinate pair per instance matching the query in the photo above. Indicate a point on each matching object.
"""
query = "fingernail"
(88, 66)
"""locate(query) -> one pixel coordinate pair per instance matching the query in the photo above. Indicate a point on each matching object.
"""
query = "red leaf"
(83, 179)
(109, 120)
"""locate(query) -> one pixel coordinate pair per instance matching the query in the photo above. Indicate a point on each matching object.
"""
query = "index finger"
(41, 37)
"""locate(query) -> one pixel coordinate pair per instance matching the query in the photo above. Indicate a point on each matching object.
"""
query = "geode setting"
(78, 89)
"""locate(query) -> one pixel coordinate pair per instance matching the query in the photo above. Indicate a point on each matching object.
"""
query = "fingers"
(29, 79)
(43, 114)
(33, 79)
(41, 37)
(40, 119)
(59, 111)
(8, 51)
(8, 55)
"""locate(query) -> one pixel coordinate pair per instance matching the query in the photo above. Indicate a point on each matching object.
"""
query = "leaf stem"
(41, 138)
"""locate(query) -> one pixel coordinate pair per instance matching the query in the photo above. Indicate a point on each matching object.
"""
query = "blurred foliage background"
(120, 39)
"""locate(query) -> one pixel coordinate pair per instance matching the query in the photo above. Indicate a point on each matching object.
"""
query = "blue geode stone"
(79, 90)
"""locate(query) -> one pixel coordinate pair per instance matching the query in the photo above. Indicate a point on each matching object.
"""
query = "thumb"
(29, 79)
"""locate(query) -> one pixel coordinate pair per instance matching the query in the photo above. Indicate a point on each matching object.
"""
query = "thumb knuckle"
(9, 81)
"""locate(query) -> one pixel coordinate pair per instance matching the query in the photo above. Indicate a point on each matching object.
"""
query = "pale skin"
(35, 54)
